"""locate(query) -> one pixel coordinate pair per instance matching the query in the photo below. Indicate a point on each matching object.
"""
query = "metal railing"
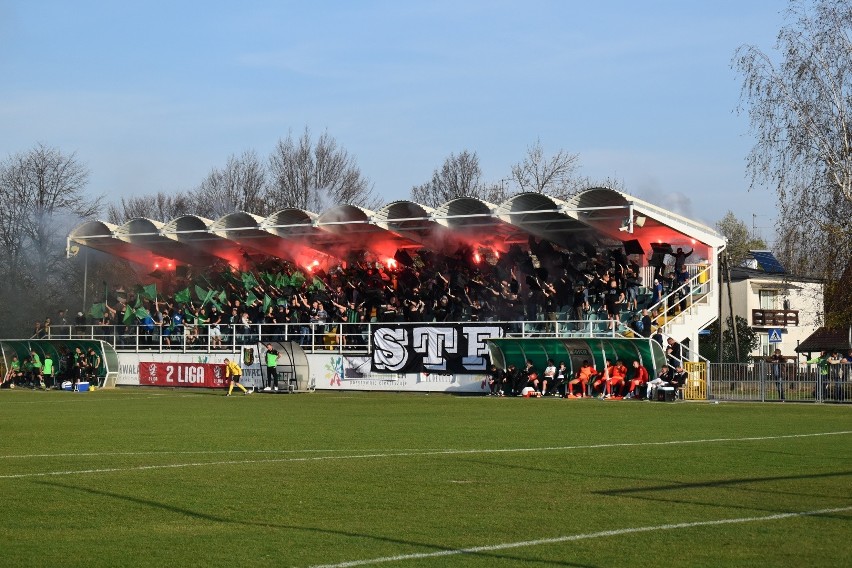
(766, 382)
(313, 337)
(680, 300)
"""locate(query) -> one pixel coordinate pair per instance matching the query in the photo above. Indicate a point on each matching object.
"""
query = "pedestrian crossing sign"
(775, 335)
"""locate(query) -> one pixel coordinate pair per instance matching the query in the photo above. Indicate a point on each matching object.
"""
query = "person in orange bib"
(616, 379)
(639, 380)
(584, 375)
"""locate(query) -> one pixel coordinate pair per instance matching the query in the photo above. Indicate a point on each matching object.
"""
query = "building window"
(764, 349)
(770, 299)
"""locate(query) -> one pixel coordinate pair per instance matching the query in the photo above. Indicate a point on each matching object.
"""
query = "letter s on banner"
(390, 350)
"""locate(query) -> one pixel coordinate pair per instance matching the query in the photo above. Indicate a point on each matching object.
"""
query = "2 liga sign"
(204, 375)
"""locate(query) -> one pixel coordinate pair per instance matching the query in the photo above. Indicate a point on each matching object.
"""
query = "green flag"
(223, 297)
(200, 292)
(184, 296)
(208, 297)
(251, 299)
(297, 279)
(129, 315)
(97, 311)
(228, 276)
(149, 291)
(268, 277)
(282, 281)
(249, 281)
(142, 313)
(267, 301)
(316, 285)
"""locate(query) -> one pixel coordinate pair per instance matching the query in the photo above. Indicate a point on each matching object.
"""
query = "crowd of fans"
(539, 283)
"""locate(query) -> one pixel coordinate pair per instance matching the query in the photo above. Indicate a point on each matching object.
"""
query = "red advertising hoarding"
(204, 375)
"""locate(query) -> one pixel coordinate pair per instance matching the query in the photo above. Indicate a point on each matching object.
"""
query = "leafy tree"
(799, 105)
(316, 176)
(740, 241)
(708, 345)
(458, 177)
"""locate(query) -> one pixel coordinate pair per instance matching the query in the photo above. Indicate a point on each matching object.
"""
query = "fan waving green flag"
(297, 279)
(184, 296)
(249, 281)
(149, 292)
(129, 315)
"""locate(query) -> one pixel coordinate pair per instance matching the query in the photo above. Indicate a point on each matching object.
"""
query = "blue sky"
(152, 95)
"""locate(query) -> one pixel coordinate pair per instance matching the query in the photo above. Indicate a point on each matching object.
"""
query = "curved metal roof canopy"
(297, 234)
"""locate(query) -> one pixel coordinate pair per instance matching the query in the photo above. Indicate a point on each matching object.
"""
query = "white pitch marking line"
(202, 452)
(575, 537)
(415, 454)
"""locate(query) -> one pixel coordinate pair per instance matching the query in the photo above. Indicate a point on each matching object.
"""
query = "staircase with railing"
(689, 308)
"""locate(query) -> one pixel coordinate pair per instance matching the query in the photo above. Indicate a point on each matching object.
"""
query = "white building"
(777, 305)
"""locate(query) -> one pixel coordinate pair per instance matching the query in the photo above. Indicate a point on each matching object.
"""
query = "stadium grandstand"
(407, 297)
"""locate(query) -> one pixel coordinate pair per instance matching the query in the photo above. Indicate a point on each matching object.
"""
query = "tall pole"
(721, 312)
(85, 277)
(731, 306)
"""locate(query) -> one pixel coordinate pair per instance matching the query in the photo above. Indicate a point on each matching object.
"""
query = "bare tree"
(161, 207)
(239, 186)
(554, 175)
(799, 112)
(43, 195)
(458, 177)
(316, 176)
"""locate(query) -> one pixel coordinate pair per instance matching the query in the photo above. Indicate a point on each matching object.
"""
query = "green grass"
(327, 478)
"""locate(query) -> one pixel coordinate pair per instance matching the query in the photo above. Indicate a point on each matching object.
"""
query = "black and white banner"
(455, 348)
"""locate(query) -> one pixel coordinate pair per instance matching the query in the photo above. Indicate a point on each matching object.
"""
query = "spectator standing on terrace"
(233, 372)
(680, 259)
(656, 292)
(271, 368)
(62, 328)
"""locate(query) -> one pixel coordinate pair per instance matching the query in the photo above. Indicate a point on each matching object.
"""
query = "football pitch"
(136, 477)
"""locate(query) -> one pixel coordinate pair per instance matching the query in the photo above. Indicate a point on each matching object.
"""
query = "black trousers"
(271, 377)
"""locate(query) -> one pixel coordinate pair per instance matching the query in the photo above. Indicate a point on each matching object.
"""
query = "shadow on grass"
(226, 520)
(642, 492)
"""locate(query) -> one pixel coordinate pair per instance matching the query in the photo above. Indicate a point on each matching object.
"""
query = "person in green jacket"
(271, 368)
(47, 371)
(821, 361)
(38, 379)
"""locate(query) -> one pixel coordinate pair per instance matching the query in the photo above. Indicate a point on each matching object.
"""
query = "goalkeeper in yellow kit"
(233, 372)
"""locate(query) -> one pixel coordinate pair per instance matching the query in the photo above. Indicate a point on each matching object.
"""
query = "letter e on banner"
(474, 360)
